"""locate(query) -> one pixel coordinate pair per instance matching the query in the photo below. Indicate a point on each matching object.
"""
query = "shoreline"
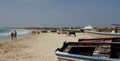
(7, 38)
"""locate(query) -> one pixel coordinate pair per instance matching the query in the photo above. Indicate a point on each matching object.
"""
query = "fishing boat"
(96, 49)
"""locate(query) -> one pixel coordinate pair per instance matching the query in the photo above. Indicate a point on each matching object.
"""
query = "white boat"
(104, 33)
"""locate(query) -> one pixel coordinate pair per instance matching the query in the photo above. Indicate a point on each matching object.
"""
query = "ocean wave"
(6, 32)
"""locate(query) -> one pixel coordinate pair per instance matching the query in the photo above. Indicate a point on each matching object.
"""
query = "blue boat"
(97, 49)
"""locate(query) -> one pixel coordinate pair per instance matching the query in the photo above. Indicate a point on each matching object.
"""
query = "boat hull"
(74, 57)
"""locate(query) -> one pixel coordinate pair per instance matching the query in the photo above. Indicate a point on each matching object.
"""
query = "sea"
(5, 34)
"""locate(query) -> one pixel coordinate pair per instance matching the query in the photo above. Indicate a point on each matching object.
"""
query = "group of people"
(35, 32)
(13, 35)
(72, 33)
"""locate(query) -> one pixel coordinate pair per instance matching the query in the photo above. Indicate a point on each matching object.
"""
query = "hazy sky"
(27, 13)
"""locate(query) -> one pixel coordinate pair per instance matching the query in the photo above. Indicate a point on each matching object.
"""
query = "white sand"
(36, 47)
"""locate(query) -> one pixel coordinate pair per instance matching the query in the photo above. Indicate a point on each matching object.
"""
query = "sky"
(58, 13)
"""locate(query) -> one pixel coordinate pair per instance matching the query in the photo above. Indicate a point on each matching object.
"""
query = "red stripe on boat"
(65, 59)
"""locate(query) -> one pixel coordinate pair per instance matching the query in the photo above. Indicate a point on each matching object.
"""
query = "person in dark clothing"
(12, 35)
(15, 34)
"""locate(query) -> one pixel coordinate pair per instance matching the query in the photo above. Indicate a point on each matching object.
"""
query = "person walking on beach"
(12, 35)
(15, 34)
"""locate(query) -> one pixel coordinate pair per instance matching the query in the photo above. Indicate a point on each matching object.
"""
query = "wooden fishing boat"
(97, 49)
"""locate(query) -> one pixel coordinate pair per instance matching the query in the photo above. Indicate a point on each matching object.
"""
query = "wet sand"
(40, 47)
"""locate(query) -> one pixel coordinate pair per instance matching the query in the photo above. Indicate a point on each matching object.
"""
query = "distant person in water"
(15, 34)
(12, 35)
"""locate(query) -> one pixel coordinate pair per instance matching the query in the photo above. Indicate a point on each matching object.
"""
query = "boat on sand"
(96, 49)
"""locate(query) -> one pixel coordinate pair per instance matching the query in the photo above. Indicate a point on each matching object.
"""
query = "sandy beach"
(40, 47)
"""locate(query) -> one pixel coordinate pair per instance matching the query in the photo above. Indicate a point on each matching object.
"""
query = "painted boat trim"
(79, 57)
